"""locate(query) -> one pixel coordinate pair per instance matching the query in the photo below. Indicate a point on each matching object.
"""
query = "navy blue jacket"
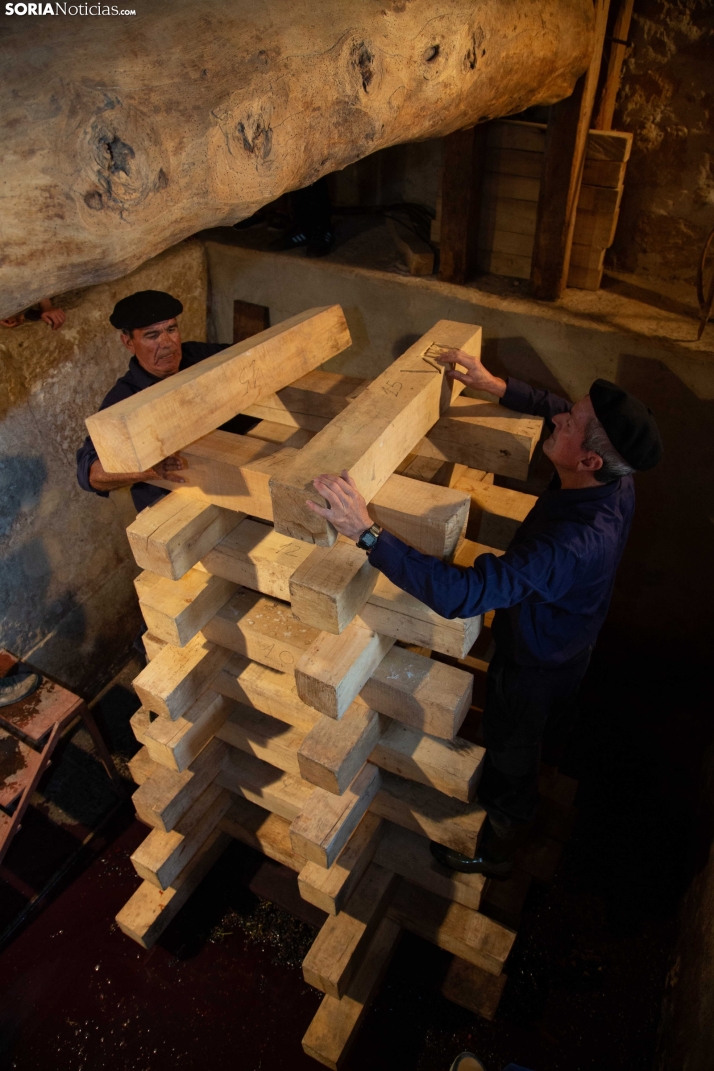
(136, 379)
(552, 588)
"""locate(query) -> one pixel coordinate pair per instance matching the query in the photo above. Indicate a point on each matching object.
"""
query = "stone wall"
(667, 100)
(67, 602)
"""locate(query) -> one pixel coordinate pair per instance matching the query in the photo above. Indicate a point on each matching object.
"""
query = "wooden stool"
(29, 732)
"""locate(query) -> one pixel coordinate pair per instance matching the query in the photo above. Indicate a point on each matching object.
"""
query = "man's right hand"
(475, 375)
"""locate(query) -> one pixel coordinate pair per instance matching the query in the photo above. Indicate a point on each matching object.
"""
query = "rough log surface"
(121, 136)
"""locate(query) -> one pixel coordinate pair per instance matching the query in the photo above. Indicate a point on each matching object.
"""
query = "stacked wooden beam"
(290, 699)
(511, 186)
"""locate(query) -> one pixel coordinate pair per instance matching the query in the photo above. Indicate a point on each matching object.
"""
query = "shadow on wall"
(28, 569)
(665, 584)
(21, 483)
(666, 580)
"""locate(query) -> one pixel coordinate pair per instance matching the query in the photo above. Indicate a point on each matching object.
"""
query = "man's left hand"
(349, 510)
(54, 317)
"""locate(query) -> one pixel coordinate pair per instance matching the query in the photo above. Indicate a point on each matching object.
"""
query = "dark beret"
(144, 308)
(629, 424)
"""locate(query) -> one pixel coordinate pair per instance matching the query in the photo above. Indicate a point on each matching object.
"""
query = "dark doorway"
(249, 319)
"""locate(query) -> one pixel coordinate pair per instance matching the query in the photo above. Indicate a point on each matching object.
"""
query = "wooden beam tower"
(290, 700)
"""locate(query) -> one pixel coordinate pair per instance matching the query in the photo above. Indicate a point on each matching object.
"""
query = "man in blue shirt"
(550, 590)
(150, 332)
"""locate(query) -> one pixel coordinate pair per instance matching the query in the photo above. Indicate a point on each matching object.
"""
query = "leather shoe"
(481, 863)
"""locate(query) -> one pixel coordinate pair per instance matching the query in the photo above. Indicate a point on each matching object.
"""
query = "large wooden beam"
(234, 471)
(134, 434)
(173, 534)
(258, 557)
(566, 141)
(470, 432)
(253, 100)
(374, 433)
(339, 947)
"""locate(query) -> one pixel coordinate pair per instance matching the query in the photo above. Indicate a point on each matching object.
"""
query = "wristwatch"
(368, 539)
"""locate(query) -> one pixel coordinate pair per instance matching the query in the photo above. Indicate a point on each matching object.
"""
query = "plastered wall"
(67, 602)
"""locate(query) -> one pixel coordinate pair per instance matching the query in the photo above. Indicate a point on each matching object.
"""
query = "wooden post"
(565, 144)
(618, 47)
(464, 155)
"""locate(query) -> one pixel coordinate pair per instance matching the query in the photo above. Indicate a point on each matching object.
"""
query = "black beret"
(629, 424)
(144, 308)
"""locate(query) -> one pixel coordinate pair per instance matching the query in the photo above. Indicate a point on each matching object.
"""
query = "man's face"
(157, 348)
(564, 447)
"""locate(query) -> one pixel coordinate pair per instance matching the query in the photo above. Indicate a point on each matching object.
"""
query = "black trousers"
(526, 707)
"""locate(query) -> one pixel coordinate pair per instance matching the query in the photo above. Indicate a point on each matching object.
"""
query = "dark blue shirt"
(552, 588)
(136, 379)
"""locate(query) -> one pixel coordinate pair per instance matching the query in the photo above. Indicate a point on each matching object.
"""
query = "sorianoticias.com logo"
(66, 9)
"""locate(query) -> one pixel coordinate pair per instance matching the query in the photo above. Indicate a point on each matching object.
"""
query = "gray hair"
(613, 464)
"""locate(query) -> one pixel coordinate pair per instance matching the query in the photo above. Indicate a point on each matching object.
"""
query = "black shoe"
(320, 243)
(252, 221)
(294, 239)
(17, 687)
(480, 864)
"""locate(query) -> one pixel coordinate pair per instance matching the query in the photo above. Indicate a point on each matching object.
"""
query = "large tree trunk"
(123, 135)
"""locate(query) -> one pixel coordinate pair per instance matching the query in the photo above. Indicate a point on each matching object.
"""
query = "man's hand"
(476, 376)
(349, 511)
(167, 469)
(54, 317)
(112, 481)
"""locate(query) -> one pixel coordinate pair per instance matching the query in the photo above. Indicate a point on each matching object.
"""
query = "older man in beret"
(147, 322)
(550, 590)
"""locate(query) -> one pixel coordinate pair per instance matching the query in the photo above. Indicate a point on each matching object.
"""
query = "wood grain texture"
(335, 1024)
(485, 435)
(149, 911)
(331, 586)
(333, 752)
(171, 536)
(338, 949)
(374, 433)
(177, 743)
(329, 888)
(451, 926)
(327, 821)
(176, 610)
(334, 669)
(429, 813)
(234, 471)
(262, 629)
(177, 676)
(420, 692)
(408, 854)
(135, 433)
(165, 795)
(286, 98)
(162, 856)
(267, 738)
